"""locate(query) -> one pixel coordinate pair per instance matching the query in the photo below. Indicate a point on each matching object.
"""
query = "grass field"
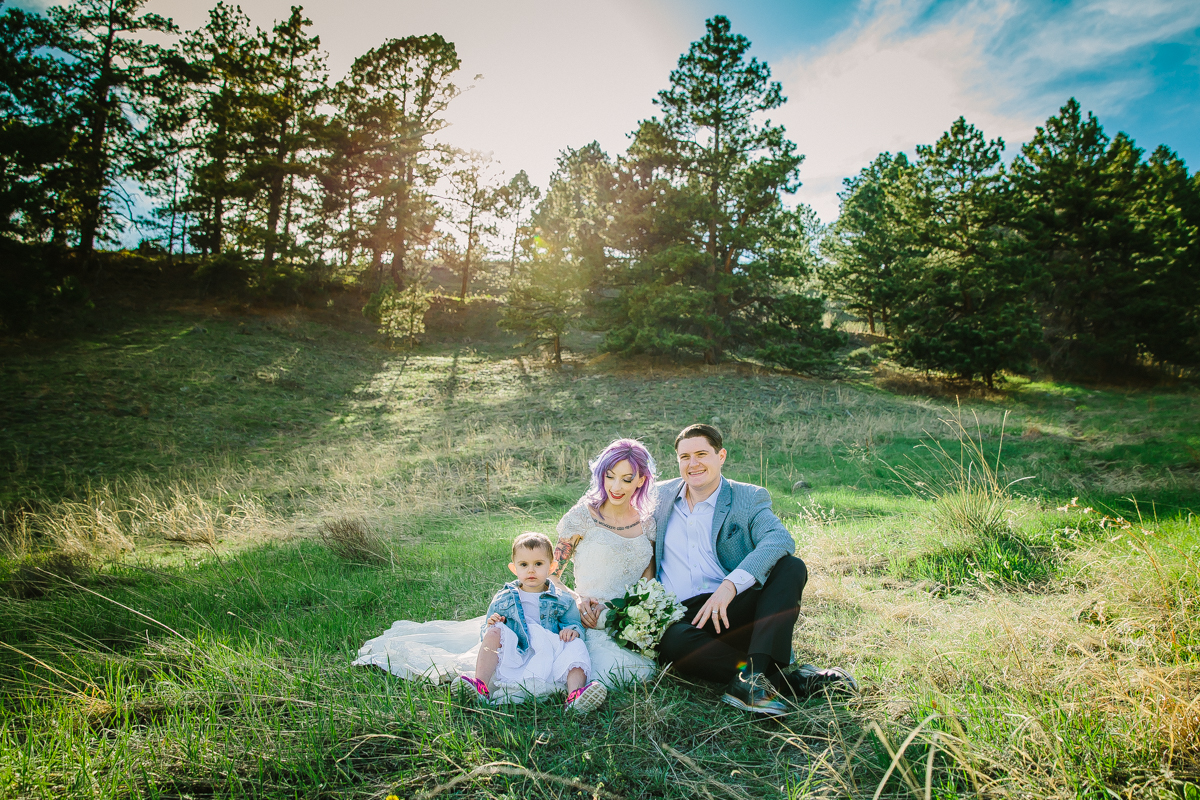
(173, 623)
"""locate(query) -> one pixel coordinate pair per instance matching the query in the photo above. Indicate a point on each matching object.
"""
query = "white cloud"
(894, 81)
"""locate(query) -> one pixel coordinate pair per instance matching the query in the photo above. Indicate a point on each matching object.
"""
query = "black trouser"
(761, 621)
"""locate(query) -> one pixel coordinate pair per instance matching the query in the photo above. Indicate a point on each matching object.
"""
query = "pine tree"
(964, 304)
(868, 245)
(708, 251)
(284, 129)
(108, 78)
(545, 300)
(384, 163)
(470, 213)
(219, 71)
(36, 132)
(1166, 311)
(577, 216)
(515, 199)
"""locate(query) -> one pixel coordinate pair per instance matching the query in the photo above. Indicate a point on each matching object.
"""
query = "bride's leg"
(489, 656)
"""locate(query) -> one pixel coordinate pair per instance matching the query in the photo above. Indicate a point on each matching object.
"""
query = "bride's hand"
(589, 610)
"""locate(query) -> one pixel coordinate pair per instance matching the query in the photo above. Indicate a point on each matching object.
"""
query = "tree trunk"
(400, 236)
(221, 149)
(379, 238)
(466, 266)
(94, 171)
(287, 212)
(871, 320)
(274, 208)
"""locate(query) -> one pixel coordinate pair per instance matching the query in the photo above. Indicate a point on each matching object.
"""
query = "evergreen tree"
(576, 216)
(36, 130)
(514, 201)
(1167, 306)
(107, 78)
(470, 211)
(1105, 230)
(284, 129)
(709, 253)
(219, 71)
(868, 244)
(545, 300)
(383, 163)
(964, 302)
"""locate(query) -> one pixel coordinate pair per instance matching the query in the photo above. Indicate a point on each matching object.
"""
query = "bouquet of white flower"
(638, 619)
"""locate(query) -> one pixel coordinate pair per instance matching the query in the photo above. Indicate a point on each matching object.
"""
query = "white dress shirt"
(690, 565)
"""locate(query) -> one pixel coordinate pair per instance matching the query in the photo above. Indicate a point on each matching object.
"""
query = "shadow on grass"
(174, 394)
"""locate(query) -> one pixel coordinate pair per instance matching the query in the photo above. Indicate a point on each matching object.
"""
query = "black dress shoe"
(751, 691)
(806, 681)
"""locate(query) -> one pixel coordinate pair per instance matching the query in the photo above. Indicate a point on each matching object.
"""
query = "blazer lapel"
(662, 515)
(724, 503)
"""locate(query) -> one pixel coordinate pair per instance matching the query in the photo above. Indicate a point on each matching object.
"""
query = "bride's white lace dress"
(606, 563)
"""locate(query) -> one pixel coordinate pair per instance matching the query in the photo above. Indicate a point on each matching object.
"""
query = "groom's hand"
(716, 605)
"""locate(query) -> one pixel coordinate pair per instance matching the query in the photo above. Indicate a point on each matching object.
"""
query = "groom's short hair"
(700, 429)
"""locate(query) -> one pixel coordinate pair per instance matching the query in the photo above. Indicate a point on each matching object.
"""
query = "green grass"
(201, 646)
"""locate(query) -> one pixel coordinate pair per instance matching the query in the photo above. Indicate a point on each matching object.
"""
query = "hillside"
(177, 624)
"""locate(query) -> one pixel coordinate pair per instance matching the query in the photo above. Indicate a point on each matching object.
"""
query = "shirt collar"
(711, 500)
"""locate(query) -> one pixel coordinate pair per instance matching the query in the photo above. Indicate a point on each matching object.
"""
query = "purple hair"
(639, 458)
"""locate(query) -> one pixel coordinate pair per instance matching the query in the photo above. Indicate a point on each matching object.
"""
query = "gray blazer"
(745, 531)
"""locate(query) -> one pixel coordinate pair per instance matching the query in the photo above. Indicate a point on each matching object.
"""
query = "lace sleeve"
(650, 528)
(572, 523)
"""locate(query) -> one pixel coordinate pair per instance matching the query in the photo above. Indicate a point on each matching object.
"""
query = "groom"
(726, 555)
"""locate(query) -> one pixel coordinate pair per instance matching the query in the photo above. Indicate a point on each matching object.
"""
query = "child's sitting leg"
(489, 656)
(485, 664)
(575, 679)
(582, 696)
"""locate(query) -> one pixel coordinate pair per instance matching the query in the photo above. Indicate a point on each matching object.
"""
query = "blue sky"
(861, 77)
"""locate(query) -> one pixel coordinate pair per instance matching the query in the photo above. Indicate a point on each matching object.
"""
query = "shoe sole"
(847, 684)
(468, 691)
(590, 700)
(738, 704)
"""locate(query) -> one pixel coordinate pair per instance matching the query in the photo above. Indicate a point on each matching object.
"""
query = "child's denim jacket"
(556, 607)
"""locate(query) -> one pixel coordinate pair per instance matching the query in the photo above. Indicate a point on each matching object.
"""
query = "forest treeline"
(1081, 256)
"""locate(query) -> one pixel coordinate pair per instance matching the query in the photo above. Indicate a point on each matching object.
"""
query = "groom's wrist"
(741, 580)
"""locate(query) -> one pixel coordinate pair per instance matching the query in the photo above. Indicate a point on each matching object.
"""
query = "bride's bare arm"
(562, 554)
(649, 571)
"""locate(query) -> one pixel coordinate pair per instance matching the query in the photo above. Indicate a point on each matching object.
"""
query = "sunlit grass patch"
(1032, 645)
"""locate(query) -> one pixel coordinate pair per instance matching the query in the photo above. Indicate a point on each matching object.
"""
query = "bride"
(609, 534)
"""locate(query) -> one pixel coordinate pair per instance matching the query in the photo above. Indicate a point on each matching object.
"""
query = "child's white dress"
(543, 667)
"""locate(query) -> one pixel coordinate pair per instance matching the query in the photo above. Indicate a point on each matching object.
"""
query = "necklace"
(615, 528)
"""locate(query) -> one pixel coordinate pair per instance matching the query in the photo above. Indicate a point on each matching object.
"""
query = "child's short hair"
(531, 540)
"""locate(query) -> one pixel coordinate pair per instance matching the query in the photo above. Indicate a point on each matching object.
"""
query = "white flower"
(649, 610)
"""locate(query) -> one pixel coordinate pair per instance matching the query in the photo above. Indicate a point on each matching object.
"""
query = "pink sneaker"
(587, 697)
(472, 687)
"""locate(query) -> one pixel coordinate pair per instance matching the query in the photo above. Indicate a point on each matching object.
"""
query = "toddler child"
(532, 635)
